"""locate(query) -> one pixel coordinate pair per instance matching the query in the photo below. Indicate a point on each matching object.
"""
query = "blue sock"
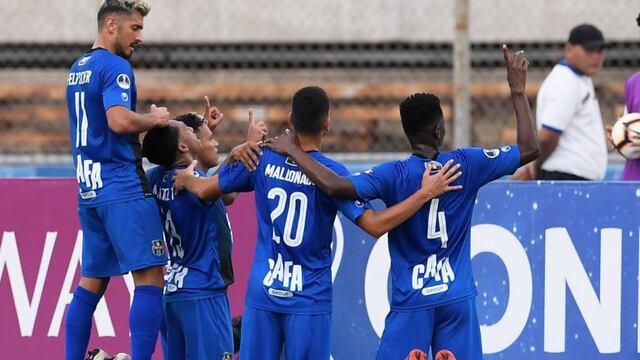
(144, 321)
(78, 323)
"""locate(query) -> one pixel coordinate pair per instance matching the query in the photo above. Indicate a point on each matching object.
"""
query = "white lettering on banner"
(563, 268)
(104, 326)
(501, 242)
(25, 310)
(288, 273)
(376, 279)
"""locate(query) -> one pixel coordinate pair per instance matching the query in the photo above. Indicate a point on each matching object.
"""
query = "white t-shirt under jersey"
(567, 105)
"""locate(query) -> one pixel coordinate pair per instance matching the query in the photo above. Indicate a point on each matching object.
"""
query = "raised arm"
(378, 223)
(328, 181)
(527, 136)
(124, 121)
(205, 188)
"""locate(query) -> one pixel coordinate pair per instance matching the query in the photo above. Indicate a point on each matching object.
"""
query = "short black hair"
(309, 107)
(420, 112)
(638, 20)
(192, 120)
(160, 145)
(110, 7)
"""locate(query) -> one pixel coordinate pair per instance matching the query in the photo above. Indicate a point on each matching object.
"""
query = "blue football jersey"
(430, 252)
(291, 272)
(191, 235)
(108, 165)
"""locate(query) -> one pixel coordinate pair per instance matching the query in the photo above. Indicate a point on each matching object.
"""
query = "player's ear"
(290, 119)
(182, 147)
(111, 24)
(325, 124)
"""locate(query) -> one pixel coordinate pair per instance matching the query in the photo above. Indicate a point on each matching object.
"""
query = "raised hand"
(181, 177)
(212, 115)
(283, 144)
(248, 154)
(257, 130)
(434, 185)
(517, 66)
(160, 116)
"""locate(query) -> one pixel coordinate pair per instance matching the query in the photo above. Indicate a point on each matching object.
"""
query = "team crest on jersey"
(124, 96)
(123, 81)
(491, 153)
(84, 60)
(435, 167)
(157, 247)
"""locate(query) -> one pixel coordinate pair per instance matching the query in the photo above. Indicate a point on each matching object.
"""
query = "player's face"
(209, 154)
(441, 132)
(589, 61)
(128, 34)
(188, 138)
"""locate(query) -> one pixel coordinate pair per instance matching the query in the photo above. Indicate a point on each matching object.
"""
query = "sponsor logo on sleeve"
(505, 148)
(124, 96)
(84, 60)
(491, 153)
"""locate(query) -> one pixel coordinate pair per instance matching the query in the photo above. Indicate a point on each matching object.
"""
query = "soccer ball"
(625, 136)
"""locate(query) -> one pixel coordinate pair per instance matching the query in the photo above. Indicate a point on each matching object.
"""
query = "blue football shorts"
(121, 237)
(267, 334)
(197, 329)
(452, 327)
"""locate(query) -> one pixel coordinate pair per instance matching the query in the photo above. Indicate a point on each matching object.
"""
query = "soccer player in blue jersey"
(207, 157)
(288, 304)
(120, 220)
(196, 309)
(433, 291)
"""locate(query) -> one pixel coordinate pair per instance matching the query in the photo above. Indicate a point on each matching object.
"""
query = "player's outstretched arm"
(330, 182)
(202, 187)
(124, 121)
(378, 223)
(517, 66)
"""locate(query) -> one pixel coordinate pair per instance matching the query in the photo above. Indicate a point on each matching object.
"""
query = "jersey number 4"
(297, 204)
(82, 122)
(437, 220)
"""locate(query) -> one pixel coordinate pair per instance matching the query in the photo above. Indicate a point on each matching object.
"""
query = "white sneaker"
(121, 356)
(99, 354)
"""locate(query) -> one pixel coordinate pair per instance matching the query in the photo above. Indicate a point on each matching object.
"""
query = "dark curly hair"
(419, 112)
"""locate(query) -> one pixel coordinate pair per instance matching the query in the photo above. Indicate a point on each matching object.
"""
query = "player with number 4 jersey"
(433, 291)
(289, 296)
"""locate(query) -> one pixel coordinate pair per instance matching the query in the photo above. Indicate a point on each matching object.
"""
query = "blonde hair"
(110, 7)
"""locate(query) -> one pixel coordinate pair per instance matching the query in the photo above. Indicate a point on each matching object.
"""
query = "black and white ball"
(625, 135)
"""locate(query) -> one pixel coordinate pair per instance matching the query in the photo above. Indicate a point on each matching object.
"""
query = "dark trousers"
(557, 175)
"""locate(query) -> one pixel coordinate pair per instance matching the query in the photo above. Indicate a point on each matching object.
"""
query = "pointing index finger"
(251, 121)
(505, 53)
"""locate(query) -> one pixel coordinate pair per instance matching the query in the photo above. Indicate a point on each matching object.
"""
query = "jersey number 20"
(297, 204)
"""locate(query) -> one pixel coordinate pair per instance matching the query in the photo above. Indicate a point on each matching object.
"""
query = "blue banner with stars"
(555, 264)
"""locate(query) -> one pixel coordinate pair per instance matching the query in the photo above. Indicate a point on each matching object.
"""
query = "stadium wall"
(556, 267)
(322, 21)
